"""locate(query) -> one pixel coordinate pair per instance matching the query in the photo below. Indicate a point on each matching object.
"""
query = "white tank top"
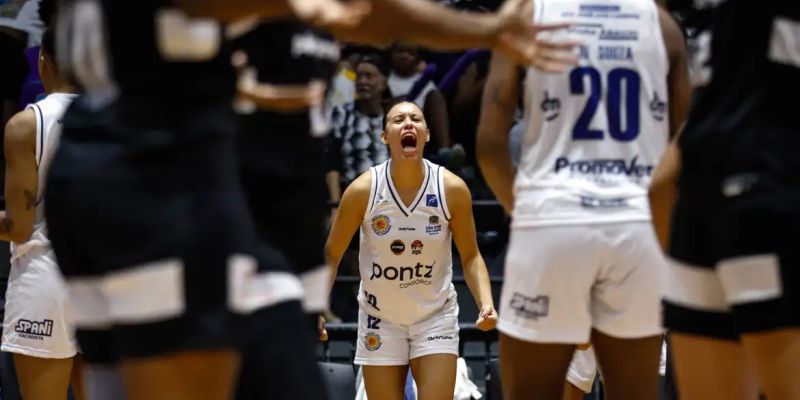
(595, 133)
(405, 256)
(49, 112)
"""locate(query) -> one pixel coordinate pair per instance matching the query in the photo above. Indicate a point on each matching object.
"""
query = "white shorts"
(583, 369)
(562, 281)
(37, 322)
(381, 342)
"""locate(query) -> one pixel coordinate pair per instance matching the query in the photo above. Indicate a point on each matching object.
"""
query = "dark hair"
(49, 45)
(47, 10)
(376, 60)
(391, 105)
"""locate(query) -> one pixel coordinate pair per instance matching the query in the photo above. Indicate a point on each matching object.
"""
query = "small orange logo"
(381, 225)
(372, 341)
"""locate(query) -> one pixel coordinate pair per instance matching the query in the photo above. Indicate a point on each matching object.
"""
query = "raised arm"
(462, 224)
(16, 222)
(497, 114)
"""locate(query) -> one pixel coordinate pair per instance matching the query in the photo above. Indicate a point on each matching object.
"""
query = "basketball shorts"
(152, 233)
(290, 214)
(735, 263)
(38, 322)
(583, 369)
(562, 281)
(381, 342)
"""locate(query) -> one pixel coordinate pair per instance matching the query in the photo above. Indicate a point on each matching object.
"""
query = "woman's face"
(406, 131)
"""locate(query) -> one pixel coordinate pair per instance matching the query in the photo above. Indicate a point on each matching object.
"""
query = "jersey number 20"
(617, 79)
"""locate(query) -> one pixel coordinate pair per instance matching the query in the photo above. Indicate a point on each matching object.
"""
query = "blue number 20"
(616, 78)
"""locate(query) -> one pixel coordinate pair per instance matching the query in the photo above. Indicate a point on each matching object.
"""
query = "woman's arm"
(16, 223)
(462, 224)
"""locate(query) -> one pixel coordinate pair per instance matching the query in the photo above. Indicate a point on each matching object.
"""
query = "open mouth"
(408, 142)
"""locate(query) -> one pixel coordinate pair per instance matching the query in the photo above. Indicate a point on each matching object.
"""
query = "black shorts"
(735, 262)
(152, 232)
(290, 215)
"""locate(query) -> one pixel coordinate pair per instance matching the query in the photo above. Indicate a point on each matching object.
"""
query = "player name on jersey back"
(595, 133)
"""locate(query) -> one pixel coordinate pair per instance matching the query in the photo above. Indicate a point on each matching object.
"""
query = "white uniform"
(407, 303)
(582, 252)
(37, 322)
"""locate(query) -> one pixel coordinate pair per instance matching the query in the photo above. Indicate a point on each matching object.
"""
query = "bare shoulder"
(455, 188)
(357, 193)
(21, 129)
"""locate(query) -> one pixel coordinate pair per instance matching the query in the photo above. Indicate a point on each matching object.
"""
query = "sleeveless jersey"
(49, 112)
(595, 134)
(744, 117)
(405, 256)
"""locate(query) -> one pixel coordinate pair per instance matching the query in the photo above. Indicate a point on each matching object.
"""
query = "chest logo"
(432, 201)
(381, 224)
(416, 247)
(398, 247)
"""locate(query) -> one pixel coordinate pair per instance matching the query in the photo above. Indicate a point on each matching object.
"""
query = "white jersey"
(405, 256)
(49, 112)
(595, 134)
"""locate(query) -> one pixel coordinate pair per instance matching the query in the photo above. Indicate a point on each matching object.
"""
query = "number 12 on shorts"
(618, 81)
(373, 322)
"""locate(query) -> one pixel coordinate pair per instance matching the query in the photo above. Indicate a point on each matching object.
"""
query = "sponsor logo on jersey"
(398, 247)
(615, 53)
(658, 107)
(439, 337)
(37, 330)
(530, 307)
(407, 228)
(605, 166)
(611, 34)
(372, 341)
(308, 44)
(434, 219)
(432, 201)
(550, 106)
(408, 276)
(381, 224)
(416, 247)
(594, 202)
(433, 229)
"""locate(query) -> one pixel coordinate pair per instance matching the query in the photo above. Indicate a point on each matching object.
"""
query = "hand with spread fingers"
(520, 41)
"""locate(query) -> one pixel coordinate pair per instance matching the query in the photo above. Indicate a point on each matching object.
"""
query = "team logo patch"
(416, 247)
(398, 247)
(381, 225)
(372, 341)
(36, 330)
(433, 220)
(530, 307)
(432, 201)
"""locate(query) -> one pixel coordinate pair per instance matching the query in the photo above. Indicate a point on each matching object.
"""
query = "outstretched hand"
(519, 40)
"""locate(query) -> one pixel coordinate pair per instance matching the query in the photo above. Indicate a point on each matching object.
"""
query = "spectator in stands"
(412, 80)
(355, 139)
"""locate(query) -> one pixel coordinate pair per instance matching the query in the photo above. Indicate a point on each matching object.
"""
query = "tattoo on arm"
(6, 225)
(30, 199)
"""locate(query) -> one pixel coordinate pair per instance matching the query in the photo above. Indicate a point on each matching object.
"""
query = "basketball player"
(281, 86)
(38, 329)
(583, 263)
(734, 279)
(407, 210)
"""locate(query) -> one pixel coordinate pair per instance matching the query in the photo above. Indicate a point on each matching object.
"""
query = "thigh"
(435, 375)
(533, 370)
(626, 299)
(776, 359)
(630, 366)
(385, 382)
(278, 360)
(43, 378)
(709, 368)
(381, 342)
(548, 278)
